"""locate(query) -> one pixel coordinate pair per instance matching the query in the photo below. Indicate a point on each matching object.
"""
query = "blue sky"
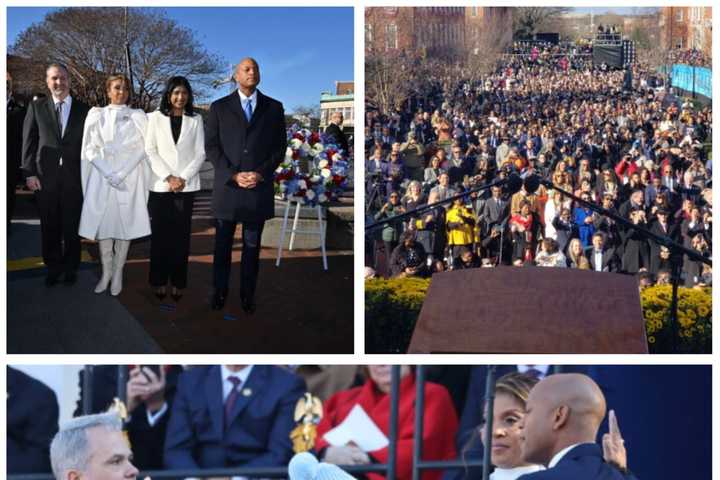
(301, 51)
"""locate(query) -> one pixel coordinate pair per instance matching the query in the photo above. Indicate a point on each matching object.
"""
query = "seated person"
(150, 393)
(440, 423)
(549, 255)
(232, 416)
(466, 259)
(408, 258)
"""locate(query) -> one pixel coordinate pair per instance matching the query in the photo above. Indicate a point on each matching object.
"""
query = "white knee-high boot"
(121, 251)
(106, 260)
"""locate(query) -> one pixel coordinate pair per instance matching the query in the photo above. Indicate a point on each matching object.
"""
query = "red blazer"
(439, 428)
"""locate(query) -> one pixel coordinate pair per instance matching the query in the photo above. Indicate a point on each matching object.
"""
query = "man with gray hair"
(92, 447)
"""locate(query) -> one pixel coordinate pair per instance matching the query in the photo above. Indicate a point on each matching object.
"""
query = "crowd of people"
(194, 418)
(601, 134)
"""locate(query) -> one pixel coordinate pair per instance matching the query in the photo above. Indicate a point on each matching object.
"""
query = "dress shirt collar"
(559, 456)
(226, 372)
(67, 101)
(253, 97)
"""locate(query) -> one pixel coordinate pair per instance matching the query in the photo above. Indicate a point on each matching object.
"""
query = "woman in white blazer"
(175, 145)
(114, 180)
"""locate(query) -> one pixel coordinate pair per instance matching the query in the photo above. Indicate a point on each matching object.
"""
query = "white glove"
(115, 179)
(346, 455)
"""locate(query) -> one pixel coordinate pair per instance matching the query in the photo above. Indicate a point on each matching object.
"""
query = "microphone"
(532, 183)
(514, 183)
(303, 466)
(328, 471)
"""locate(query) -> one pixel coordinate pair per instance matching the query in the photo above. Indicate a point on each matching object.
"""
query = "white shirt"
(244, 99)
(67, 103)
(598, 260)
(514, 473)
(543, 369)
(64, 114)
(559, 456)
(242, 375)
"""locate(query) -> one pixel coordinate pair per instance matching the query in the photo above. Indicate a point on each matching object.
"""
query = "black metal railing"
(250, 472)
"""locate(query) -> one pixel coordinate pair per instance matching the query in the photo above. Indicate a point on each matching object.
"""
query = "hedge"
(392, 307)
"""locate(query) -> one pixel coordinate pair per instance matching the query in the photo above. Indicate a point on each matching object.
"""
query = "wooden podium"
(530, 310)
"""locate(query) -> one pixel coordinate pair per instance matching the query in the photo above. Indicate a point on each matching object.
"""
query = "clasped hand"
(247, 179)
(177, 184)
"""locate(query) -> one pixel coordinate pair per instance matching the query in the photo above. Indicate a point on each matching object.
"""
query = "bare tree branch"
(91, 42)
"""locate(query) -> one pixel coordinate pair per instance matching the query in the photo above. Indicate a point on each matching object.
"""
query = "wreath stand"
(320, 231)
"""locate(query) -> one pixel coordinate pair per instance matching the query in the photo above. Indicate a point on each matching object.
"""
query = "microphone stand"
(677, 251)
(490, 401)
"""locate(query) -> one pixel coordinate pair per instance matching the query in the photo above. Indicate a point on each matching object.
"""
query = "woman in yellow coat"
(460, 222)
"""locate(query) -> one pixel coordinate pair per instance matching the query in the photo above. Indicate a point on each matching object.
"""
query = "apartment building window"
(473, 11)
(391, 40)
(368, 33)
(679, 15)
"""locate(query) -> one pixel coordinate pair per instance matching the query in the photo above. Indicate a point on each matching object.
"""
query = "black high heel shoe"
(176, 295)
(160, 293)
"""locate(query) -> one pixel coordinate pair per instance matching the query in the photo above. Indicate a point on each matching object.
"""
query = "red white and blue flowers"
(315, 169)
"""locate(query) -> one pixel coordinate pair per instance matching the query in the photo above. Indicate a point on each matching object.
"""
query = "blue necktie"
(248, 109)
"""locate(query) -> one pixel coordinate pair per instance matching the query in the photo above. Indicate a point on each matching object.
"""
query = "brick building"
(425, 30)
(487, 24)
(342, 101)
(687, 28)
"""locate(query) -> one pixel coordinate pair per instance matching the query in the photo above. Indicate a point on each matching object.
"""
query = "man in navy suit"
(232, 416)
(245, 141)
(562, 418)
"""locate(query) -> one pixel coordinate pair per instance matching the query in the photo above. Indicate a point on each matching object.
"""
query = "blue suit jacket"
(259, 426)
(584, 462)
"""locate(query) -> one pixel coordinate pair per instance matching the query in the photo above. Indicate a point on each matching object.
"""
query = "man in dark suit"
(245, 141)
(232, 416)
(15, 115)
(495, 209)
(602, 259)
(150, 393)
(52, 141)
(335, 131)
(563, 414)
(32, 422)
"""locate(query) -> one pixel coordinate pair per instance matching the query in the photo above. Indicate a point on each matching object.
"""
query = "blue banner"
(682, 77)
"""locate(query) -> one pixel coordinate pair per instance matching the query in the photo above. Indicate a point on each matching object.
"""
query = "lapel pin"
(246, 392)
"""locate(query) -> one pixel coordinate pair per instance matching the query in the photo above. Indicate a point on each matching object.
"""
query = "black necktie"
(58, 115)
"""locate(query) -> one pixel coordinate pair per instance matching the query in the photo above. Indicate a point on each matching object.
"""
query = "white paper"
(358, 428)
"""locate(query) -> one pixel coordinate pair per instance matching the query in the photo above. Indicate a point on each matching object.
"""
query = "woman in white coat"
(175, 144)
(114, 178)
